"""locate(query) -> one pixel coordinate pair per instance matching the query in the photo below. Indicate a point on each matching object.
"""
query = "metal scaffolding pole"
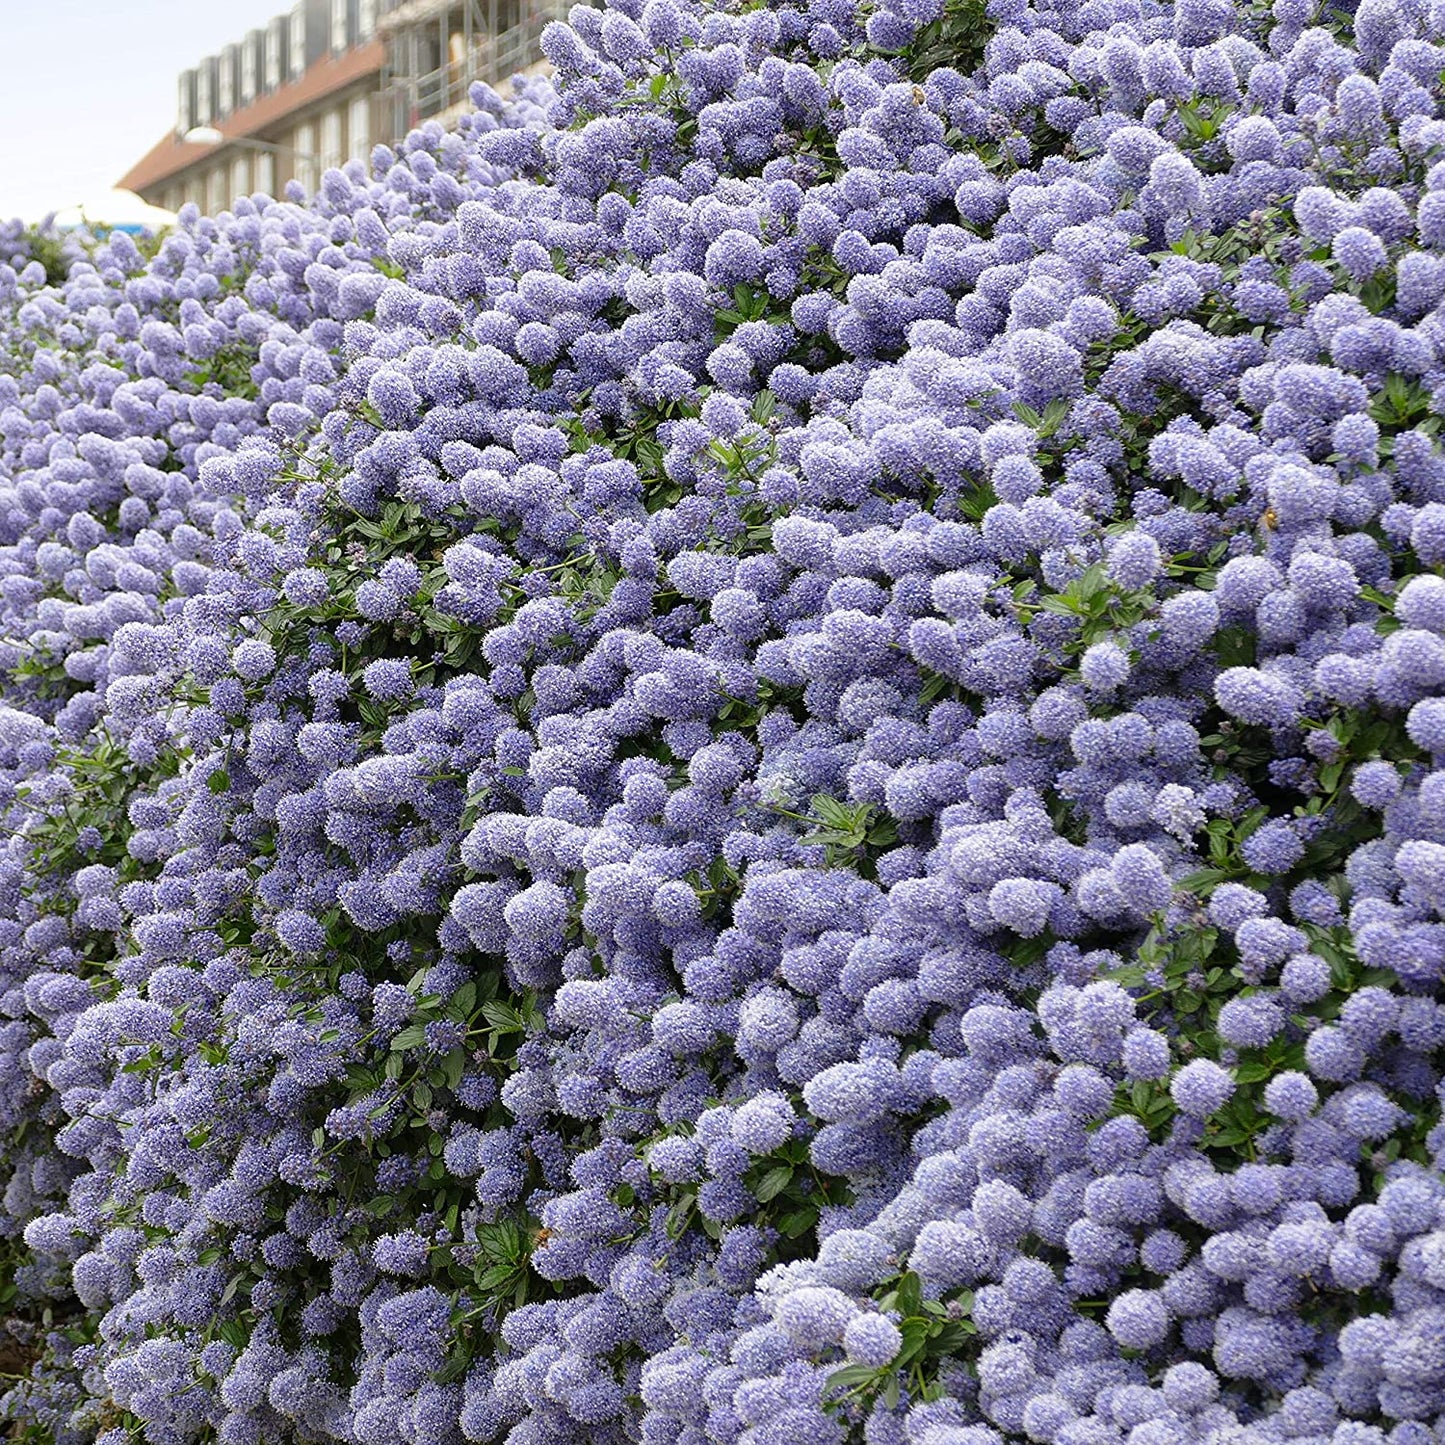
(436, 49)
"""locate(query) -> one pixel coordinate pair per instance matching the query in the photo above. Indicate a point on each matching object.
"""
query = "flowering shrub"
(55, 250)
(750, 755)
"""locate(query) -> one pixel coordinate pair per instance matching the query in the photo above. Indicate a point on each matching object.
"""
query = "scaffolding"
(436, 49)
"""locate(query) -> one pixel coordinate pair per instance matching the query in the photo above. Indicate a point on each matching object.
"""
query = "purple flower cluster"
(752, 753)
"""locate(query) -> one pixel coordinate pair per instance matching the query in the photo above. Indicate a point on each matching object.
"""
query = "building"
(435, 49)
(323, 84)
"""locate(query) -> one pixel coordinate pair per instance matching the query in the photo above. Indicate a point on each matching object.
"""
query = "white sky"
(87, 87)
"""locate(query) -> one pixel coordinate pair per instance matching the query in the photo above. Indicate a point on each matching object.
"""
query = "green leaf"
(909, 1293)
(1053, 417)
(830, 810)
(773, 1183)
(503, 1018)
(1063, 606)
(678, 1216)
(1202, 880)
(409, 1038)
(497, 1276)
(915, 1334)
(798, 1223)
(457, 1363)
(849, 1378)
(453, 1067)
(1227, 1138)
(462, 1002)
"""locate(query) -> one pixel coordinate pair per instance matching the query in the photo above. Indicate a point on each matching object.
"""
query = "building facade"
(323, 84)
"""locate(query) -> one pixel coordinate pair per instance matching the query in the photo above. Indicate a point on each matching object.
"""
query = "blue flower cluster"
(753, 754)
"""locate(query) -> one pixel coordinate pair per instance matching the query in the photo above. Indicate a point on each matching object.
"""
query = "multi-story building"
(323, 84)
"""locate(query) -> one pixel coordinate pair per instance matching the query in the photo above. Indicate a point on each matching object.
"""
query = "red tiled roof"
(172, 155)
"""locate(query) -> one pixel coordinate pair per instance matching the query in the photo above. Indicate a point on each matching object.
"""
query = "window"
(185, 102)
(241, 176)
(296, 36)
(216, 182)
(250, 54)
(276, 68)
(304, 142)
(358, 128)
(332, 152)
(266, 173)
(340, 28)
(428, 54)
(226, 81)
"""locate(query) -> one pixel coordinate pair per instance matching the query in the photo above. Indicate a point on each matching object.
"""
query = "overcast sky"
(87, 87)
